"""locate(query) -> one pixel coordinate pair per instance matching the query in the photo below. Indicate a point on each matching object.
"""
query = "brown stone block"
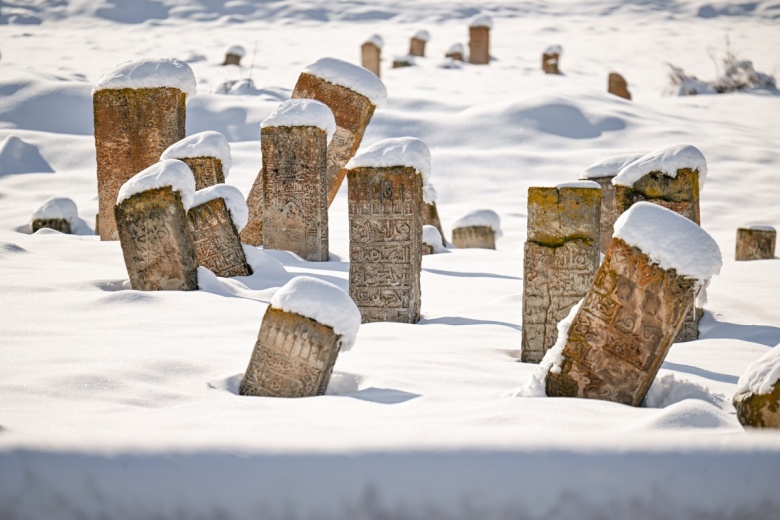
(759, 410)
(617, 85)
(756, 243)
(550, 63)
(232, 59)
(482, 237)
(558, 215)
(370, 55)
(417, 47)
(479, 45)
(608, 212)
(57, 224)
(431, 218)
(207, 171)
(252, 233)
(217, 244)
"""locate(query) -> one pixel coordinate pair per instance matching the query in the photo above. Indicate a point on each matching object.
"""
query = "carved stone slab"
(217, 245)
(370, 57)
(352, 112)
(608, 212)
(550, 63)
(58, 224)
(295, 217)
(624, 329)
(482, 237)
(385, 242)
(293, 357)
(617, 85)
(479, 45)
(133, 127)
(157, 242)
(756, 244)
(252, 233)
(431, 218)
(417, 47)
(759, 410)
(561, 257)
(207, 171)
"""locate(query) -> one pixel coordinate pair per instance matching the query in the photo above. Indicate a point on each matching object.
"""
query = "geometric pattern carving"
(217, 245)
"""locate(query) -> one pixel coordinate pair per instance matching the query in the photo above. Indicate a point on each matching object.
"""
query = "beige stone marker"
(476, 229)
(561, 257)
(617, 85)
(58, 213)
(385, 229)
(479, 40)
(757, 398)
(371, 54)
(551, 58)
(352, 93)
(620, 334)
(756, 243)
(417, 43)
(308, 322)
(455, 52)
(233, 55)
(206, 153)
(139, 111)
(294, 140)
(156, 239)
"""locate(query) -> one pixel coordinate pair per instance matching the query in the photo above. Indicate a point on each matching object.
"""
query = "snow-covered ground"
(122, 404)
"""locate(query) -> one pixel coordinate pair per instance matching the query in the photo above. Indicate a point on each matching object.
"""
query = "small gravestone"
(306, 326)
(371, 53)
(673, 178)
(560, 259)
(58, 213)
(622, 331)
(551, 59)
(476, 229)
(206, 153)
(603, 172)
(294, 140)
(151, 218)
(400, 62)
(617, 85)
(233, 55)
(217, 215)
(417, 43)
(352, 93)
(479, 40)
(431, 240)
(757, 399)
(455, 52)
(385, 228)
(139, 111)
(756, 243)
(430, 211)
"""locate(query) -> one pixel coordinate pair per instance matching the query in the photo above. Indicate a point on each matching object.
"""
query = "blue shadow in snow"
(710, 328)
(470, 275)
(383, 395)
(458, 320)
(696, 371)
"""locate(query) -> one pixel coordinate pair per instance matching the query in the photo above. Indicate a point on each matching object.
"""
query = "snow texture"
(397, 151)
(611, 166)
(356, 79)
(667, 390)
(480, 217)
(554, 49)
(57, 207)
(423, 35)
(324, 303)
(579, 184)
(481, 20)
(149, 73)
(761, 375)
(302, 112)
(234, 200)
(169, 172)
(237, 50)
(432, 237)
(202, 144)
(666, 161)
(670, 240)
(376, 40)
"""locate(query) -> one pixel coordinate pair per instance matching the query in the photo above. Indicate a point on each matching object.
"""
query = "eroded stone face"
(759, 410)
(755, 244)
(156, 241)
(623, 330)
(431, 218)
(370, 57)
(608, 212)
(206, 170)
(550, 63)
(293, 357)
(133, 127)
(385, 242)
(417, 47)
(352, 112)
(469, 237)
(57, 224)
(217, 245)
(479, 45)
(617, 85)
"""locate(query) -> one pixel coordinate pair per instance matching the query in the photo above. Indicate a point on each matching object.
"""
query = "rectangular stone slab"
(206, 170)
(217, 244)
(370, 57)
(469, 237)
(479, 45)
(58, 224)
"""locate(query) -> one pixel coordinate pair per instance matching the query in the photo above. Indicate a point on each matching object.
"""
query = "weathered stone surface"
(417, 47)
(252, 233)
(608, 211)
(217, 245)
(157, 242)
(560, 260)
(385, 242)
(58, 224)
(352, 112)
(623, 330)
(482, 237)
(431, 218)
(479, 45)
(759, 410)
(550, 63)
(756, 243)
(293, 357)
(207, 171)
(133, 127)
(370, 57)
(617, 85)
(295, 217)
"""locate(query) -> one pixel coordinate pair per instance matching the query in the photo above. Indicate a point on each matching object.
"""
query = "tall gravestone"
(371, 54)
(560, 259)
(139, 111)
(385, 229)
(417, 43)
(479, 40)
(206, 153)
(755, 243)
(352, 93)
(621, 333)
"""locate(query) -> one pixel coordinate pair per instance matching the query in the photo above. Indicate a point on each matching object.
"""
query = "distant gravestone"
(371, 54)
(561, 257)
(476, 229)
(385, 229)
(431, 240)
(217, 215)
(306, 326)
(757, 398)
(58, 213)
(233, 55)
(206, 153)
(455, 52)
(756, 243)
(417, 43)
(430, 211)
(619, 336)
(617, 85)
(352, 94)
(551, 59)
(139, 111)
(294, 140)
(151, 220)
(400, 62)
(479, 40)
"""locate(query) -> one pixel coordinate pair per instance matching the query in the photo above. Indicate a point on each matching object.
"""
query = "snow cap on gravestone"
(169, 172)
(347, 75)
(234, 200)
(149, 73)
(610, 166)
(398, 151)
(666, 161)
(302, 112)
(202, 144)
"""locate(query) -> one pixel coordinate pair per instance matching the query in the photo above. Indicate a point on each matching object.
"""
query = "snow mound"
(17, 156)
(670, 240)
(455, 48)
(610, 166)
(264, 264)
(691, 414)
(324, 303)
(667, 390)
(170, 172)
(579, 184)
(149, 73)
(236, 50)
(302, 112)
(761, 375)
(376, 40)
(234, 200)
(356, 79)
(398, 151)
(432, 237)
(666, 161)
(202, 144)
(554, 49)
(422, 35)
(480, 217)
(481, 20)
(58, 207)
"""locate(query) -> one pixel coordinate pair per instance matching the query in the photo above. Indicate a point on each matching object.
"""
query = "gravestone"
(476, 229)
(432, 242)
(57, 224)
(417, 43)
(206, 153)
(455, 52)
(479, 40)
(58, 213)
(551, 58)
(560, 259)
(617, 85)
(757, 397)
(756, 243)
(139, 111)
(233, 55)
(371, 53)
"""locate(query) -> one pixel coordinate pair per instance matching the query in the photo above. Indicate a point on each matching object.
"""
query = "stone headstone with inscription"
(417, 43)
(756, 243)
(479, 40)
(206, 153)
(617, 85)
(371, 54)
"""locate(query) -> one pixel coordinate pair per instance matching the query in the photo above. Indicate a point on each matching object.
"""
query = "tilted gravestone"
(417, 43)
(560, 259)
(352, 93)
(151, 219)
(385, 229)
(306, 326)
(206, 153)
(551, 59)
(476, 229)
(622, 331)
(139, 111)
(371, 54)
(617, 85)
(756, 243)
(479, 40)
(757, 398)
(58, 213)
